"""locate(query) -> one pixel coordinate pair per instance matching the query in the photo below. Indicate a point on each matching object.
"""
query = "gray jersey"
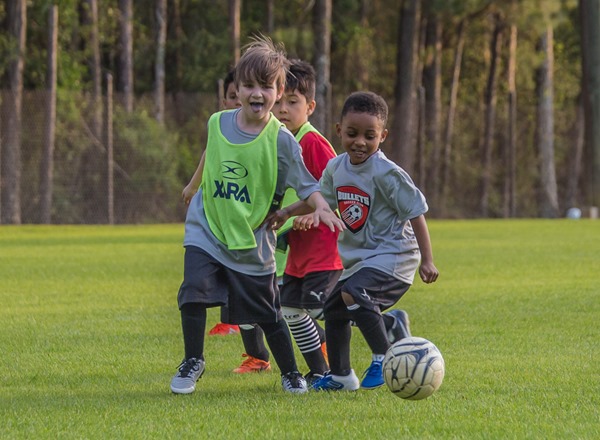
(291, 172)
(376, 200)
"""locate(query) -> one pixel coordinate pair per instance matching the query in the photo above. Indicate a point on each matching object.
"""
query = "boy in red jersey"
(313, 264)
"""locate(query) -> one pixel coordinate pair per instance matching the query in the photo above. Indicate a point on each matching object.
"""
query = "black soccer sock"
(254, 343)
(320, 330)
(316, 361)
(280, 343)
(372, 328)
(306, 336)
(193, 324)
(338, 334)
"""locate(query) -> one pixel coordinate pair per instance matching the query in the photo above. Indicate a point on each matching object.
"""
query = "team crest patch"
(353, 205)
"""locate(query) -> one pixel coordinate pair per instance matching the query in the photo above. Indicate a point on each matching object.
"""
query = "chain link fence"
(152, 161)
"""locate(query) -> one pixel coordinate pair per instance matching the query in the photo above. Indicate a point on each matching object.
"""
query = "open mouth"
(358, 155)
(256, 106)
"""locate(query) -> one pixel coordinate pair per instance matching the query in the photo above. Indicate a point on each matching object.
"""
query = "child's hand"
(428, 272)
(303, 222)
(188, 192)
(328, 217)
(276, 219)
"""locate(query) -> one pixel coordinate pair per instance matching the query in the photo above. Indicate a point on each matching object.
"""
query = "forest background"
(105, 103)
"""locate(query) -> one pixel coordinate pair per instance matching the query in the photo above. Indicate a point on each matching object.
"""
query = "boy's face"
(257, 100)
(361, 134)
(293, 110)
(231, 101)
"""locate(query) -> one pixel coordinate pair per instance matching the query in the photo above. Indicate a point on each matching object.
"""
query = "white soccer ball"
(413, 368)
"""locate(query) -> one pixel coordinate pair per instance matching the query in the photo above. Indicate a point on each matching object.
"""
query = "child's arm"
(427, 269)
(192, 187)
(316, 206)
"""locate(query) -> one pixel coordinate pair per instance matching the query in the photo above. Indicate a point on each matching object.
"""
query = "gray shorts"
(370, 288)
(244, 299)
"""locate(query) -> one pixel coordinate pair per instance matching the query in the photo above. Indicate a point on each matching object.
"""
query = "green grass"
(90, 337)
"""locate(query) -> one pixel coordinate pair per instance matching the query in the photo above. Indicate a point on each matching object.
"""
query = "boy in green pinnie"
(251, 159)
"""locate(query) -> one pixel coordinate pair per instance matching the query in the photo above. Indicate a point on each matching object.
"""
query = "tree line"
(493, 104)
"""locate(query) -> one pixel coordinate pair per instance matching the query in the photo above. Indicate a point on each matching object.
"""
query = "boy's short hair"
(229, 78)
(301, 76)
(366, 102)
(263, 61)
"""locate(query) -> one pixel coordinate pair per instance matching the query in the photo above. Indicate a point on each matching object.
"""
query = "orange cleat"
(224, 329)
(252, 365)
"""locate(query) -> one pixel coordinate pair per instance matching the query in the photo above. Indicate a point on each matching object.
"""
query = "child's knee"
(293, 314)
(347, 298)
(316, 314)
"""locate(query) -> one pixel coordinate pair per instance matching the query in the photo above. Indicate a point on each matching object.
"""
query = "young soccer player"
(313, 263)
(385, 242)
(251, 159)
(257, 355)
(230, 101)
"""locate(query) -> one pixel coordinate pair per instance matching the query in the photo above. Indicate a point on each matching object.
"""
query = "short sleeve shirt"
(376, 200)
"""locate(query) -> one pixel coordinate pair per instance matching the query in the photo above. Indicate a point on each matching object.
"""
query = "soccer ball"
(413, 368)
(352, 214)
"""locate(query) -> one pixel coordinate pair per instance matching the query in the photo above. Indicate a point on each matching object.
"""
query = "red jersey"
(314, 250)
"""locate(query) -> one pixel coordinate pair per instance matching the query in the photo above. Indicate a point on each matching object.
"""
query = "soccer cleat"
(312, 378)
(252, 365)
(324, 351)
(401, 327)
(373, 377)
(332, 382)
(224, 329)
(294, 382)
(189, 371)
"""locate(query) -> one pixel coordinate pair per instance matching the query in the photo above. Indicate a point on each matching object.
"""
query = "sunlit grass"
(91, 337)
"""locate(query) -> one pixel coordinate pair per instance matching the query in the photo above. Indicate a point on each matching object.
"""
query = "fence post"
(109, 150)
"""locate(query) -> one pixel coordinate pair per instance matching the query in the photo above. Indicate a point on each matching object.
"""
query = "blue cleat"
(332, 382)
(373, 377)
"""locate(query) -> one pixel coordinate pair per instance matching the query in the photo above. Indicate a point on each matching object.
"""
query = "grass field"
(90, 337)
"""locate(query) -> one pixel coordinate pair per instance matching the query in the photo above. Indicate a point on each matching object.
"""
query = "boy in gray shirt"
(386, 240)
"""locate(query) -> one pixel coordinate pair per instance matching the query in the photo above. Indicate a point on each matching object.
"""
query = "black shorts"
(309, 292)
(370, 288)
(245, 299)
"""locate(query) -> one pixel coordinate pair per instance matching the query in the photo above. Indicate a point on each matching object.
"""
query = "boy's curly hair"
(263, 61)
(366, 102)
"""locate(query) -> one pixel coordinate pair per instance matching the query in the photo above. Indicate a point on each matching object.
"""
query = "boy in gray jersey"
(251, 159)
(386, 240)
